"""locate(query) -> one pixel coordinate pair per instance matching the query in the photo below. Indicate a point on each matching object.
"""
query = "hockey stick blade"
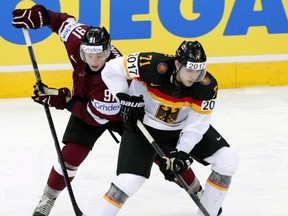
(177, 176)
(77, 210)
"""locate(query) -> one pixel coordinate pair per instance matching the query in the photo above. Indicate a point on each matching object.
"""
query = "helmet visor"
(197, 66)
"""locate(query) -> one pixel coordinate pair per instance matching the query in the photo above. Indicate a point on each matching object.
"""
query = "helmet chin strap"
(175, 81)
(108, 50)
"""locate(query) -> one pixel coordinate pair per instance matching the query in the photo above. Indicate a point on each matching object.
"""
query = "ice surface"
(252, 120)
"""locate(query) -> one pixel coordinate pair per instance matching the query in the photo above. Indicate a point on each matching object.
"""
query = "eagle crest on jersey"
(167, 114)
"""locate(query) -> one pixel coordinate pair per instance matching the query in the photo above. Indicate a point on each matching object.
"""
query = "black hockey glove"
(176, 162)
(132, 109)
(33, 18)
(52, 97)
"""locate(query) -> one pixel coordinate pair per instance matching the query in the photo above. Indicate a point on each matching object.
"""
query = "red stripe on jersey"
(169, 98)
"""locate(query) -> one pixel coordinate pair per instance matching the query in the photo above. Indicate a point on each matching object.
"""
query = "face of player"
(96, 60)
(186, 76)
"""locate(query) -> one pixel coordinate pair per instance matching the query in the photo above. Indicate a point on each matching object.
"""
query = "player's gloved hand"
(132, 108)
(174, 162)
(33, 18)
(57, 98)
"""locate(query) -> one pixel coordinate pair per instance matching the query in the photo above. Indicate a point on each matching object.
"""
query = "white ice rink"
(253, 120)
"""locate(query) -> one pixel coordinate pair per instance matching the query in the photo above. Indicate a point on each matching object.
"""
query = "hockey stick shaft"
(178, 176)
(77, 210)
(113, 135)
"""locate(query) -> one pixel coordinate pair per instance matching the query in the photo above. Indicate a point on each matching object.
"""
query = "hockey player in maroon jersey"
(93, 109)
(179, 96)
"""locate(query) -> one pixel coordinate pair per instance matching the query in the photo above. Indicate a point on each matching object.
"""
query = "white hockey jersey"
(167, 106)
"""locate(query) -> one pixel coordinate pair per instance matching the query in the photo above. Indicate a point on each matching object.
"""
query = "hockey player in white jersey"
(93, 109)
(174, 97)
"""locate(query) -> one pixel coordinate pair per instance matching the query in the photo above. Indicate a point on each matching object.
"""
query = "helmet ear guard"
(95, 40)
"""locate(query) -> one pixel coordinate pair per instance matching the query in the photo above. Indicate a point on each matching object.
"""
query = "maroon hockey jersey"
(91, 100)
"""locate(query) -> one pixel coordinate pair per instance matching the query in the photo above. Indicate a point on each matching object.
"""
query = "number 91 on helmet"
(97, 43)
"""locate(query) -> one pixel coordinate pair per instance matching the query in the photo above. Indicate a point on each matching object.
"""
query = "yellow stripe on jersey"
(199, 108)
(167, 100)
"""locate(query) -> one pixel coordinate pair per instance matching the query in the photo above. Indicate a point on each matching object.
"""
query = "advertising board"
(246, 41)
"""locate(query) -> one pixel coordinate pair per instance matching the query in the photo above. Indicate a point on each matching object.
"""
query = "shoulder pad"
(207, 88)
(155, 67)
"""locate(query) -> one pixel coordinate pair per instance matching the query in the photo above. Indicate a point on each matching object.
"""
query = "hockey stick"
(113, 135)
(178, 176)
(77, 210)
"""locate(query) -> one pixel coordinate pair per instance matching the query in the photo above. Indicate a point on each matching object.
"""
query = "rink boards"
(229, 75)
(246, 41)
